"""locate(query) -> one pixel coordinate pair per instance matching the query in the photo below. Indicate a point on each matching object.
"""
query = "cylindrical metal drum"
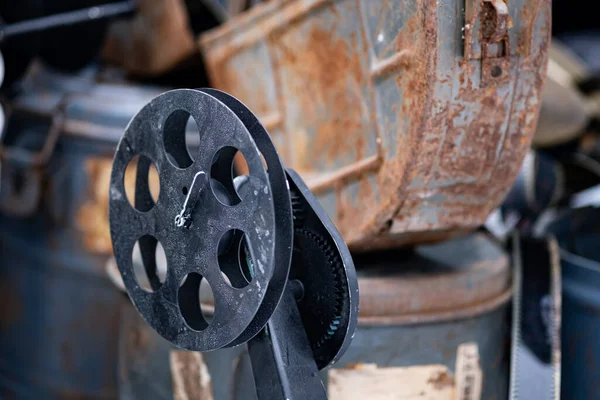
(433, 323)
(578, 233)
(59, 313)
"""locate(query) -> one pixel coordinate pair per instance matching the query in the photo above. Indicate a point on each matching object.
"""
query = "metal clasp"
(23, 169)
(486, 34)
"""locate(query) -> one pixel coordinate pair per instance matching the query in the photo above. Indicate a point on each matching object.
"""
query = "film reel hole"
(227, 162)
(149, 263)
(235, 259)
(142, 183)
(194, 291)
(178, 132)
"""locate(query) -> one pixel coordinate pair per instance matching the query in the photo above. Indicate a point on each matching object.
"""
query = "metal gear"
(320, 269)
(323, 265)
(298, 211)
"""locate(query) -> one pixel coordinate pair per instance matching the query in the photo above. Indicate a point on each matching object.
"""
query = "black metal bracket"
(282, 359)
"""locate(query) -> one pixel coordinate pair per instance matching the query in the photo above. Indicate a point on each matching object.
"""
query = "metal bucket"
(401, 117)
(578, 233)
(59, 312)
(433, 323)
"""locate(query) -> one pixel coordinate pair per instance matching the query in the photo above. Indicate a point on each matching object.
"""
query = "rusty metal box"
(408, 118)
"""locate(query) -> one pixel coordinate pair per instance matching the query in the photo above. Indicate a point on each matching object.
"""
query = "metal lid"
(91, 109)
(460, 278)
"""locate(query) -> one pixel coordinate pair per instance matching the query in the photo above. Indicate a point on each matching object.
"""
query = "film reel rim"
(282, 197)
(122, 246)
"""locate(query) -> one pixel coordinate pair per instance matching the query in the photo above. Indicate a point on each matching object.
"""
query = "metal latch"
(22, 167)
(486, 34)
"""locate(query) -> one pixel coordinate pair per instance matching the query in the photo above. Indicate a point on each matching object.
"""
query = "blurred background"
(430, 131)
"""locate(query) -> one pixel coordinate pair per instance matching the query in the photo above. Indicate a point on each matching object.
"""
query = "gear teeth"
(336, 266)
(298, 211)
(333, 327)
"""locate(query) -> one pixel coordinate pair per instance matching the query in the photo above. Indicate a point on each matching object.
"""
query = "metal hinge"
(486, 35)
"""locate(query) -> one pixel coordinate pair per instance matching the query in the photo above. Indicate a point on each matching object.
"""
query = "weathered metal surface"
(389, 109)
(60, 313)
(469, 276)
(462, 328)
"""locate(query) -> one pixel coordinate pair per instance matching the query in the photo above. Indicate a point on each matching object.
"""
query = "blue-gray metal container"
(578, 233)
(59, 312)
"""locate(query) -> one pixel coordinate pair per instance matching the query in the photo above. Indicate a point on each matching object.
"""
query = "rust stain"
(432, 382)
(441, 380)
(444, 158)
(355, 366)
(327, 81)
(416, 81)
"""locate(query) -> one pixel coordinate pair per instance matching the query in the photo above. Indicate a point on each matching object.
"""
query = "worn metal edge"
(467, 312)
(251, 21)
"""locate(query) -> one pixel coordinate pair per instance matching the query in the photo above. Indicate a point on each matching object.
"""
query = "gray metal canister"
(432, 320)
(59, 312)
(433, 324)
